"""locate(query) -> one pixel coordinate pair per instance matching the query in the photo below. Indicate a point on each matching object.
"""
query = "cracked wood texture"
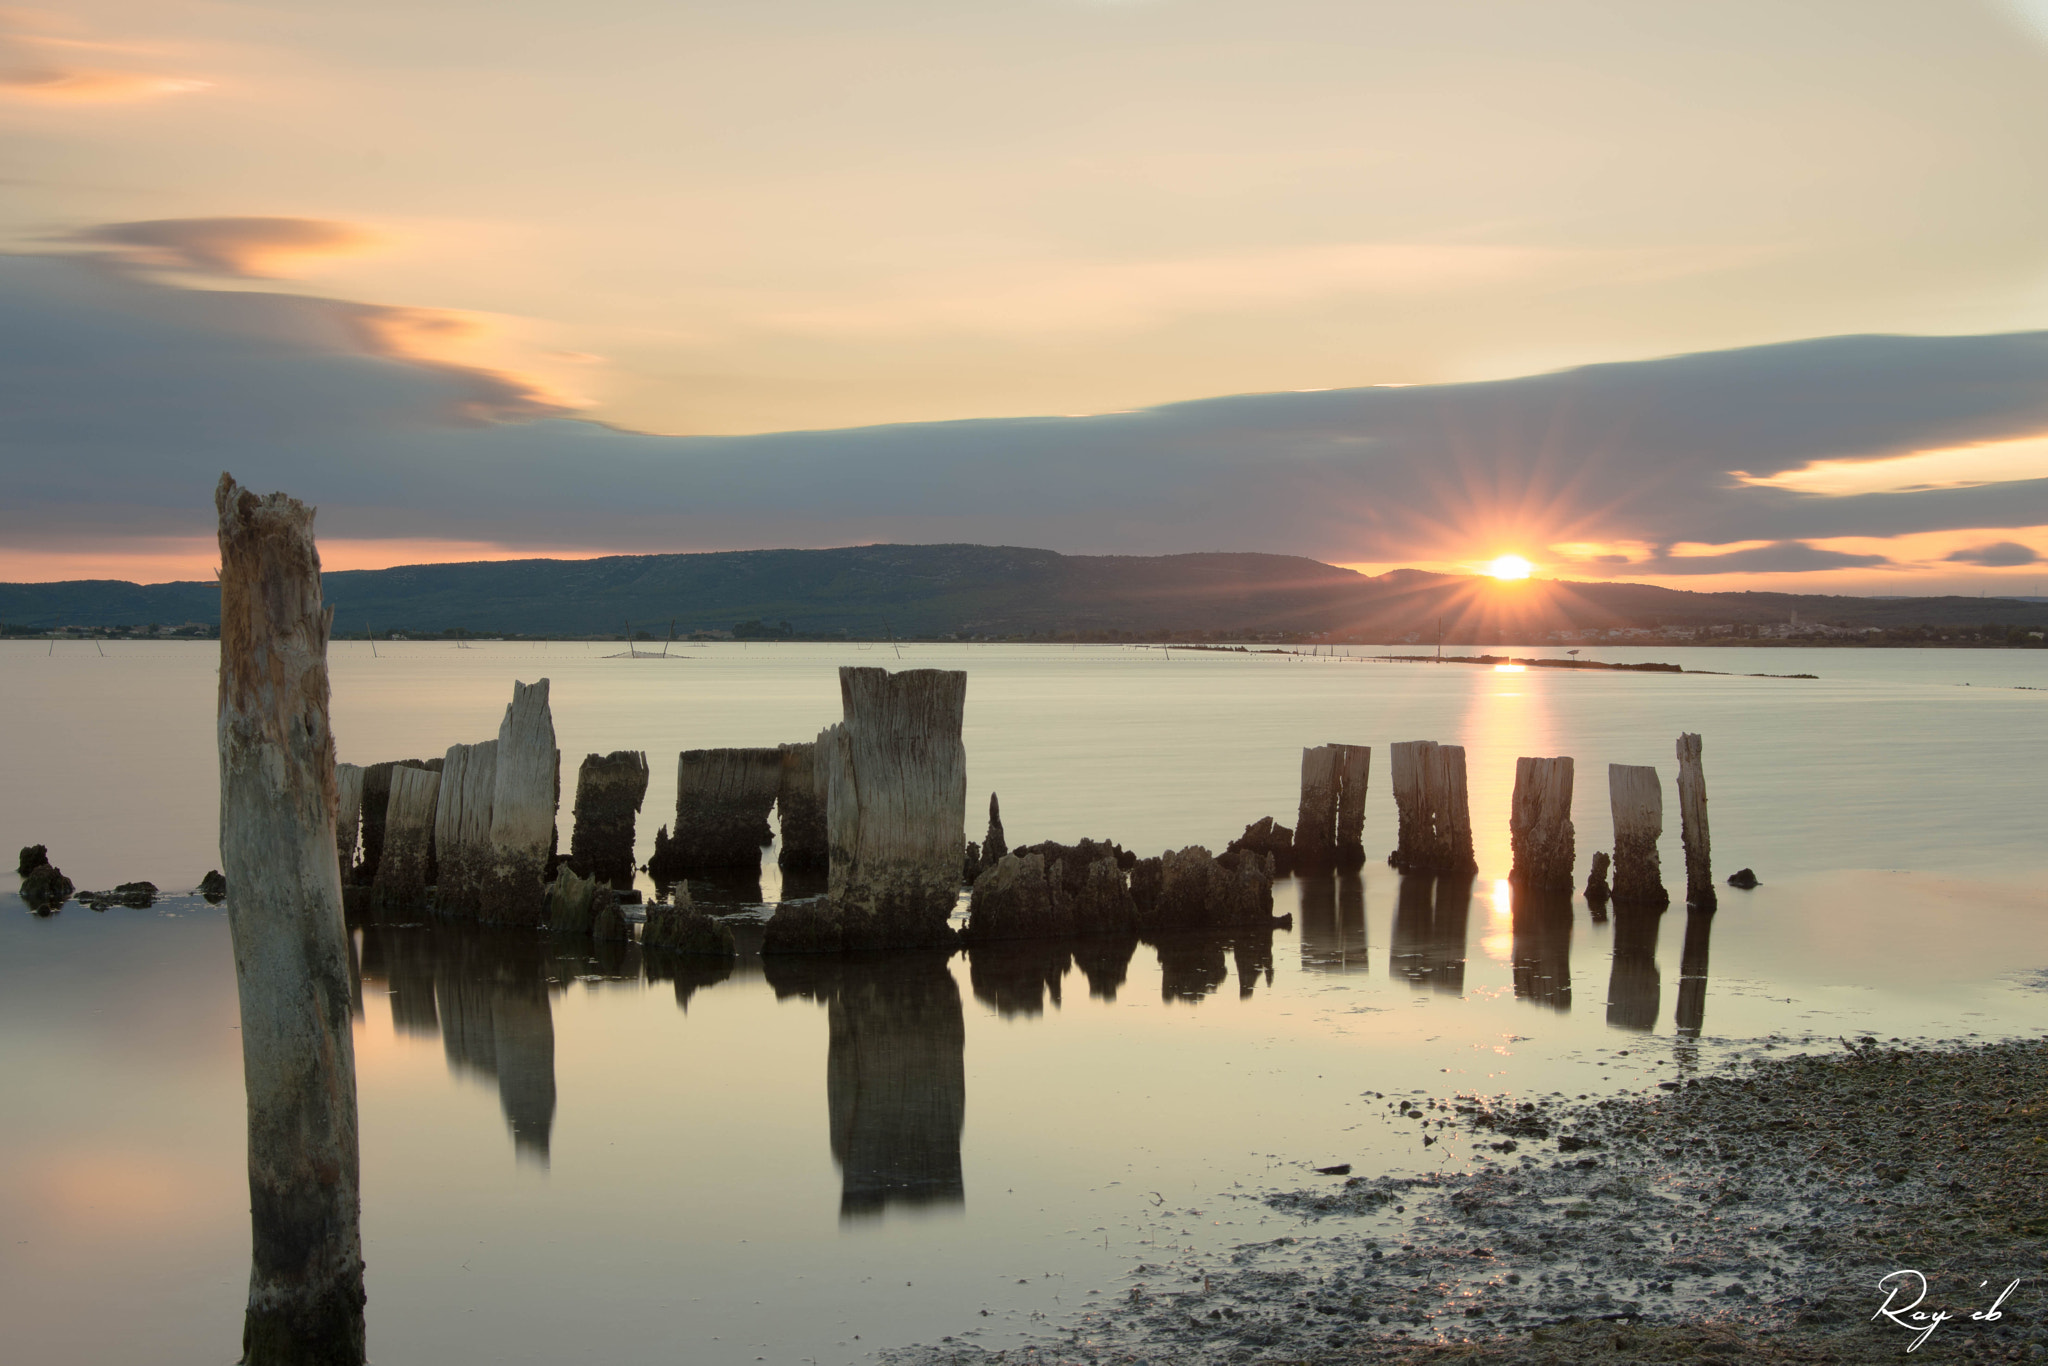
(1637, 800)
(278, 804)
(523, 791)
(1540, 825)
(462, 826)
(609, 790)
(897, 804)
(1692, 825)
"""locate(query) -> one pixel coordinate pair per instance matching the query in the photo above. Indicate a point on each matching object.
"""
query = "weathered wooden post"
(1315, 824)
(997, 843)
(1637, 800)
(462, 827)
(723, 797)
(406, 869)
(897, 808)
(609, 790)
(348, 820)
(800, 807)
(522, 811)
(1540, 825)
(277, 836)
(1692, 825)
(1354, 771)
(1434, 811)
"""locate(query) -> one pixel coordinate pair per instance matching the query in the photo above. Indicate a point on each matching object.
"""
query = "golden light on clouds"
(41, 62)
(1951, 467)
(254, 248)
(85, 85)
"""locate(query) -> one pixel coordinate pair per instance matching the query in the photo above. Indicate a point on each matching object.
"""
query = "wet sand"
(1746, 1215)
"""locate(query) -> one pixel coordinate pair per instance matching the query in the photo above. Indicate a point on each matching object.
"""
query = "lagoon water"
(573, 1156)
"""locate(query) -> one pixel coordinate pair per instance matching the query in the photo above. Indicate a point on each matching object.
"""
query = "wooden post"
(407, 867)
(1435, 813)
(801, 809)
(277, 838)
(1413, 828)
(609, 790)
(522, 811)
(898, 803)
(348, 820)
(462, 827)
(997, 844)
(1354, 770)
(1637, 800)
(1315, 825)
(1540, 825)
(1692, 825)
(723, 797)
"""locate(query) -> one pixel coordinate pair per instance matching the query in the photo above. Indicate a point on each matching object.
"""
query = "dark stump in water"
(45, 889)
(33, 856)
(213, 887)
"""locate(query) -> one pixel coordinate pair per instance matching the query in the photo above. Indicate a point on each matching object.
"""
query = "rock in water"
(213, 886)
(522, 810)
(571, 903)
(682, 928)
(45, 889)
(1743, 878)
(33, 857)
(609, 791)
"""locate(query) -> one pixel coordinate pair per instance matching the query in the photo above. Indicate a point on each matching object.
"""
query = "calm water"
(571, 1154)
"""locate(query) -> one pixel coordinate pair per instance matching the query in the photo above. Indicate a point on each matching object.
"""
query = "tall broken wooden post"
(897, 805)
(1315, 823)
(277, 842)
(406, 868)
(1637, 800)
(1692, 825)
(1540, 825)
(523, 792)
(609, 790)
(348, 820)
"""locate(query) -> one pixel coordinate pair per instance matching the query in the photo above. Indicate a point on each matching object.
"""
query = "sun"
(1510, 567)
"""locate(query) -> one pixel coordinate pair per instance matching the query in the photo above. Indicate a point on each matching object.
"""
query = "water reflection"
(1017, 975)
(1635, 987)
(1333, 937)
(1692, 972)
(1542, 956)
(1428, 940)
(1191, 965)
(1105, 963)
(895, 1073)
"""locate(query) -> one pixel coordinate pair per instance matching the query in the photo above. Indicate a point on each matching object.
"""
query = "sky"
(1715, 295)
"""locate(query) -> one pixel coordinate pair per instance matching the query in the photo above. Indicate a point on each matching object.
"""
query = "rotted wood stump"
(1315, 822)
(1540, 825)
(609, 791)
(1354, 772)
(723, 797)
(1637, 799)
(462, 827)
(523, 791)
(278, 807)
(1434, 813)
(1692, 826)
(348, 820)
(903, 765)
(800, 807)
(406, 869)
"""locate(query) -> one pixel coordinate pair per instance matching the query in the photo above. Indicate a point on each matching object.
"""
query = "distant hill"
(990, 591)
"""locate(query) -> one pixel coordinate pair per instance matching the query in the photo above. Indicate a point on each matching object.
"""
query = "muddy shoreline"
(1747, 1214)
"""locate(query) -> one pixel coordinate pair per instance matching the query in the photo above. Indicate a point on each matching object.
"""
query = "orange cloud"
(249, 248)
(43, 67)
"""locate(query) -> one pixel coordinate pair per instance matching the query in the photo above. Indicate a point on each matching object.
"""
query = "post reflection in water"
(895, 1073)
(1016, 975)
(1635, 987)
(1105, 963)
(1428, 940)
(1333, 937)
(1692, 972)
(486, 994)
(1542, 956)
(1191, 964)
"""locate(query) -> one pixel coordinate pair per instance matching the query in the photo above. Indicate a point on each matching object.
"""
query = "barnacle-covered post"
(277, 842)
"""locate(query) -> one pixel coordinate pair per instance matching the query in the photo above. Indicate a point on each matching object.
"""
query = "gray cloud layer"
(125, 400)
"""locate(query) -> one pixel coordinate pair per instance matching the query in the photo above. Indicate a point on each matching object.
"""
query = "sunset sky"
(1717, 295)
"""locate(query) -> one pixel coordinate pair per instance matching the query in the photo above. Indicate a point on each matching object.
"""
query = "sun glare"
(1510, 567)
